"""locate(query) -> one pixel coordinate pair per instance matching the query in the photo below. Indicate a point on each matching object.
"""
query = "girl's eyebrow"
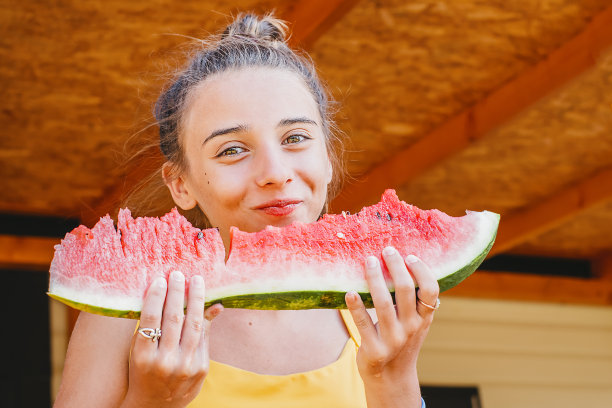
(219, 132)
(293, 121)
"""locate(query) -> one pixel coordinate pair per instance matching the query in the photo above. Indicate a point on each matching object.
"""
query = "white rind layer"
(98, 299)
(292, 284)
(486, 224)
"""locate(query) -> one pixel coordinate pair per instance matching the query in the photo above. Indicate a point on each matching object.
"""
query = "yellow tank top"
(335, 385)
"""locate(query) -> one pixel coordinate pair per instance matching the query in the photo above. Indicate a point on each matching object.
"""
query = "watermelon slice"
(107, 271)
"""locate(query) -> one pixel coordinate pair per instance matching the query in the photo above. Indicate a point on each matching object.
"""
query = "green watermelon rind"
(128, 314)
(290, 300)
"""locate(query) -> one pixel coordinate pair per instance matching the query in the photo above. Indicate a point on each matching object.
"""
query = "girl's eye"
(295, 138)
(231, 151)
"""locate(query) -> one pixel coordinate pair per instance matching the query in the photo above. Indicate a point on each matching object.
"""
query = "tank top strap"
(351, 326)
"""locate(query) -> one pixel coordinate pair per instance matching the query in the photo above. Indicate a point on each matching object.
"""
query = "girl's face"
(255, 151)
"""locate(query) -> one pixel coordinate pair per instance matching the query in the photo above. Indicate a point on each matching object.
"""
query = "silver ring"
(430, 306)
(153, 334)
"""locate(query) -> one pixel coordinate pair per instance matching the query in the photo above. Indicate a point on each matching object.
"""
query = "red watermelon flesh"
(111, 269)
(299, 266)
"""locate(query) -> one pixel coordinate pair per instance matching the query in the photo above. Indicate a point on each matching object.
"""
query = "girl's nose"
(272, 167)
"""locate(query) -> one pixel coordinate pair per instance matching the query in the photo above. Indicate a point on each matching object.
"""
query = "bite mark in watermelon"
(107, 271)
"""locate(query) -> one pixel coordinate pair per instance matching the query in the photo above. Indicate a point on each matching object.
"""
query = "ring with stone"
(153, 334)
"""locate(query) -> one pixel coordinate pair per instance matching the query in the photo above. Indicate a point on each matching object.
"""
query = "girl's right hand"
(170, 372)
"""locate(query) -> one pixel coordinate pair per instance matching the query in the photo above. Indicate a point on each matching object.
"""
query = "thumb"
(209, 315)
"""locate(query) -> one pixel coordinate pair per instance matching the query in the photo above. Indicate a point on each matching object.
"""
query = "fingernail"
(371, 261)
(160, 282)
(410, 259)
(352, 295)
(196, 281)
(177, 276)
(214, 311)
(388, 251)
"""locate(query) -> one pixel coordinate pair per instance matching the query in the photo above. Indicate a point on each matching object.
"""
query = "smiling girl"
(246, 132)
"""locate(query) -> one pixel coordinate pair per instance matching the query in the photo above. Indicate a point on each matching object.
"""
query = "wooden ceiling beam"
(310, 19)
(535, 288)
(524, 224)
(456, 134)
(26, 252)
(603, 267)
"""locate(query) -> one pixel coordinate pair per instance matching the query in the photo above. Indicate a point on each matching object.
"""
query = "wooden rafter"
(529, 222)
(603, 267)
(532, 221)
(513, 286)
(309, 19)
(312, 18)
(26, 252)
(573, 58)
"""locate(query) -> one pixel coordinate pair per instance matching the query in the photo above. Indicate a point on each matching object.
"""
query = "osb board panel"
(403, 68)
(77, 79)
(584, 236)
(560, 141)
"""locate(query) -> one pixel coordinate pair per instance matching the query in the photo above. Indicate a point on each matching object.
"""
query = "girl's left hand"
(389, 350)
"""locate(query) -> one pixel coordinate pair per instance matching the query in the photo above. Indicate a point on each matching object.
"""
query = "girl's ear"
(178, 188)
(330, 171)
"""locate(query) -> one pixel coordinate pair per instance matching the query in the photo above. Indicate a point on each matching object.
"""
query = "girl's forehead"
(250, 94)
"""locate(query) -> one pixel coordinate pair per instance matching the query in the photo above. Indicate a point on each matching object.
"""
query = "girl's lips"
(280, 208)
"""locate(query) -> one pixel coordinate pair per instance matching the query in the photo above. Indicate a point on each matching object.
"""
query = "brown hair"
(249, 41)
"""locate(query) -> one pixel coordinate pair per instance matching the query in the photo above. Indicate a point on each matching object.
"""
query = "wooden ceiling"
(504, 106)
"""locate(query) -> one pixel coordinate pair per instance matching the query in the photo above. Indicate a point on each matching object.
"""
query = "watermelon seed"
(340, 235)
(389, 217)
(378, 215)
(200, 235)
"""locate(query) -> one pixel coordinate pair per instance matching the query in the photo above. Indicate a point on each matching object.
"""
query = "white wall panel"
(522, 354)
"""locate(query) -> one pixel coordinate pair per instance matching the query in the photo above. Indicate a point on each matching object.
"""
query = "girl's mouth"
(279, 208)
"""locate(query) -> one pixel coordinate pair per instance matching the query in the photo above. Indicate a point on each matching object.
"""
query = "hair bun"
(266, 28)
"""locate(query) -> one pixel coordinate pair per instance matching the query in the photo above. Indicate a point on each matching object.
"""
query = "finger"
(383, 303)
(193, 326)
(429, 290)
(173, 316)
(362, 318)
(151, 313)
(404, 285)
